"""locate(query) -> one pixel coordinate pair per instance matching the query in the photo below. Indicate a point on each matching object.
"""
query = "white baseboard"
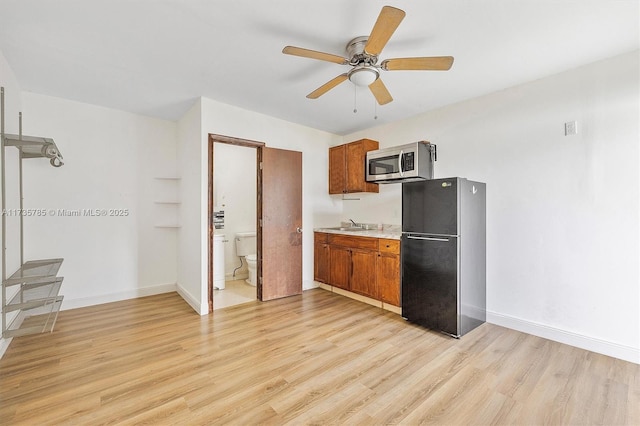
(626, 353)
(191, 300)
(116, 297)
(309, 284)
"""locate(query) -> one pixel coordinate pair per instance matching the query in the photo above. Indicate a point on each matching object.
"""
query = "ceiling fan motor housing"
(356, 53)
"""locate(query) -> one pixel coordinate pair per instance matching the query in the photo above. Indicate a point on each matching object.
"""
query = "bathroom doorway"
(233, 200)
(277, 219)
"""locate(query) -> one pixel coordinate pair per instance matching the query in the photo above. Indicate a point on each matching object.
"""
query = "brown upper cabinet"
(347, 167)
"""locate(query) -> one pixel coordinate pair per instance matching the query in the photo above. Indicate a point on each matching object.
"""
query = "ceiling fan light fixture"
(363, 75)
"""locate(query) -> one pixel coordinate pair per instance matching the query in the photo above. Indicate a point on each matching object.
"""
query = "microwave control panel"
(408, 161)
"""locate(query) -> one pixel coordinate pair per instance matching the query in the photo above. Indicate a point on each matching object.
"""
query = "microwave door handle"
(401, 163)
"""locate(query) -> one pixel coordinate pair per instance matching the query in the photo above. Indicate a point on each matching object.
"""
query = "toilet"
(246, 247)
(252, 262)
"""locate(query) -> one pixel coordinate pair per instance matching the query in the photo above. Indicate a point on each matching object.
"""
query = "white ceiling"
(155, 57)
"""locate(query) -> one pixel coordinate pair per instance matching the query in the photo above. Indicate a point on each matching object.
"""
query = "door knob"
(299, 230)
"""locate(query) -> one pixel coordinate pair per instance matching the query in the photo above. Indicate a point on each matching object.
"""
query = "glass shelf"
(34, 271)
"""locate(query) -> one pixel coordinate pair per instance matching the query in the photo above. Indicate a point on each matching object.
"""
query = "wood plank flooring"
(319, 358)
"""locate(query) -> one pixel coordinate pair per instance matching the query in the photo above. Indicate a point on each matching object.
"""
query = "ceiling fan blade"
(306, 53)
(435, 63)
(387, 22)
(327, 86)
(380, 92)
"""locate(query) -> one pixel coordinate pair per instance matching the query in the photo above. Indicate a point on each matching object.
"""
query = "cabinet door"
(355, 159)
(337, 169)
(363, 273)
(340, 266)
(388, 273)
(321, 262)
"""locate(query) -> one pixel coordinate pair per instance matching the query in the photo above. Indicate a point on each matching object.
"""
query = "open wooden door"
(280, 190)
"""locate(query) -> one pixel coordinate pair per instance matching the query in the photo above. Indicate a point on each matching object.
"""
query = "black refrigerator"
(444, 254)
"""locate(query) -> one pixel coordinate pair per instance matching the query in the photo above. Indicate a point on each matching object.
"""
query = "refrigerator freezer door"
(430, 206)
(430, 282)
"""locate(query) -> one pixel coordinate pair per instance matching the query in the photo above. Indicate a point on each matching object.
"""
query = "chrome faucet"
(354, 224)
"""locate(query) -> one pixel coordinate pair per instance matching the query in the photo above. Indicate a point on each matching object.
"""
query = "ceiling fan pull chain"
(355, 99)
(375, 109)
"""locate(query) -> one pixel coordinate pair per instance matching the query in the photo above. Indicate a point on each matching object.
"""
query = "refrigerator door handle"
(411, 237)
(400, 163)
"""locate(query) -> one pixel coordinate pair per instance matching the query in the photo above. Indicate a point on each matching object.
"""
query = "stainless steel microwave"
(403, 163)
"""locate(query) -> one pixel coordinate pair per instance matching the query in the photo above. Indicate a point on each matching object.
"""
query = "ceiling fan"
(362, 56)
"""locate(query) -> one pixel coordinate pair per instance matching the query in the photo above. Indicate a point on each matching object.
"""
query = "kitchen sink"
(347, 228)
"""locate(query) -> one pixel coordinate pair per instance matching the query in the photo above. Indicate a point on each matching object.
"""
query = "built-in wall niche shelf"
(167, 202)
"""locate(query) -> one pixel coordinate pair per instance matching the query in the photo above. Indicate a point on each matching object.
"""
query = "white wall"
(318, 209)
(235, 192)
(12, 108)
(192, 235)
(111, 159)
(562, 211)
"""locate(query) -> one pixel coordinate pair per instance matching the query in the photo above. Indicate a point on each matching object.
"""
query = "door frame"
(214, 138)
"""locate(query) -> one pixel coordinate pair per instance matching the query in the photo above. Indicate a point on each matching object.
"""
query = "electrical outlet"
(570, 128)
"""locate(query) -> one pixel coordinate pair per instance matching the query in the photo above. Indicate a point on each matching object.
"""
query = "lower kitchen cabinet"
(388, 271)
(365, 265)
(363, 273)
(339, 267)
(320, 257)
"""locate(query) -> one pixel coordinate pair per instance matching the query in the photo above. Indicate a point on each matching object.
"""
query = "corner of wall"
(190, 237)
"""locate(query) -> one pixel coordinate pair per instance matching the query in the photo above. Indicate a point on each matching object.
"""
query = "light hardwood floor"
(319, 358)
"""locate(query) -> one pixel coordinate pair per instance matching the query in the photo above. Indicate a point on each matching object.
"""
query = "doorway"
(278, 219)
(235, 213)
